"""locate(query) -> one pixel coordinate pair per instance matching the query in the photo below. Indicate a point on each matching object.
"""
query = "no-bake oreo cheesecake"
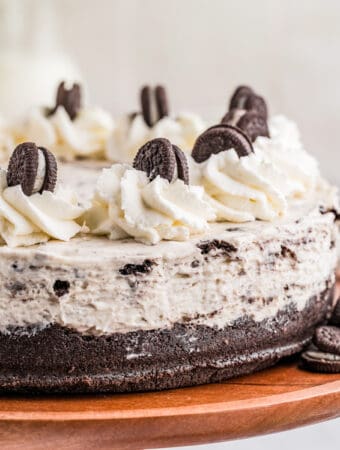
(179, 271)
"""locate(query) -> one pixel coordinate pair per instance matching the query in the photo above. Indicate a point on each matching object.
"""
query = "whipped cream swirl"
(285, 151)
(85, 136)
(130, 134)
(243, 189)
(127, 204)
(28, 220)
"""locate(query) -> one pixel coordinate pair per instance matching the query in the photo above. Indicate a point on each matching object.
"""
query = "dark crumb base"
(59, 360)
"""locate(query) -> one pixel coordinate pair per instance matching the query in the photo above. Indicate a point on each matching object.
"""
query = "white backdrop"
(288, 50)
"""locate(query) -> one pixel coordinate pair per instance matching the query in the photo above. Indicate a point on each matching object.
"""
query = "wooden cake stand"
(276, 399)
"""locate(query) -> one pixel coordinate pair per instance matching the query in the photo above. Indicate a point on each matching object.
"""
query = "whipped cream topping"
(258, 186)
(285, 151)
(130, 134)
(85, 136)
(28, 220)
(243, 189)
(127, 204)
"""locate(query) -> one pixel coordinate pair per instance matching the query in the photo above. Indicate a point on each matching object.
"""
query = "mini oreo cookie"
(317, 361)
(156, 157)
(245, 98)
(154, 104)
(250, 122)
(256, 103)
(335, 318)
(70, 99)
(182, 164)
(145, 99)
(51, 169)
(23, 168)
(239, 97)
(160, 157)
(220, 138)
(233, 116)
(327, 339)
(253, 124)
(161, 102)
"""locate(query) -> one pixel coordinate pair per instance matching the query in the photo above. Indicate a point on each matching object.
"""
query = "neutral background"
(288, 50)
(201, 49)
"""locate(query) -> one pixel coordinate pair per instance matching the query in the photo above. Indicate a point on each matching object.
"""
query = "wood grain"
(273, 400)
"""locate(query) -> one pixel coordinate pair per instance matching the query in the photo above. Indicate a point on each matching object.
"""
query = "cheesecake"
(170, 270)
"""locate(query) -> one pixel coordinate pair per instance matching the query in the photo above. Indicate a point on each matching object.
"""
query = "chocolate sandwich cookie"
(256, 103)
(220, 138)
(70, 99)
(160, 157)
(154, 104)
(244, 97)
(318, 361)
(23, 169)
(252, 123)
(239, 97)
(335, 318)
(327, 339)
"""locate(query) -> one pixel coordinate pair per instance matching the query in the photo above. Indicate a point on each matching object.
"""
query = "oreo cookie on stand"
(160, 157)
(70, 99)
(317, 361)
(154, 103)
(220, 138)
(326, 356)
(327, 339)
(34, 168)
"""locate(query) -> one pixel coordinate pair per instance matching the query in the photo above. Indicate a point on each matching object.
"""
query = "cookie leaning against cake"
(324, 355)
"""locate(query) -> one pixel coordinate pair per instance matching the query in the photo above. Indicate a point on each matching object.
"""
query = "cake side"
(60, 360)
(106, 316)
(100, 287)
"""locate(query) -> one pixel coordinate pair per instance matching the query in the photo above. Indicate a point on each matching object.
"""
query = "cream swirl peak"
(134, 130)
(240, 185)
(150, 204)
(31, 211)
(285, 151)
(69, 129)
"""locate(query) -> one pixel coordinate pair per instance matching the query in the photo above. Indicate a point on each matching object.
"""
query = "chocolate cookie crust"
(60, 360)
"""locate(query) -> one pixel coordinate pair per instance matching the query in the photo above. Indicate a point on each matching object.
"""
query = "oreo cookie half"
(257, 104)
(239, 97)
(317, 361)
(250, 122)
(327, 339)
(253, 124)
(245, 98)
(70, 99)
(182, 164)
(335, 319)
(154, 104)
(161, 101)
(220, 138)
(160, 157)
(156, 157)
(24, 165)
